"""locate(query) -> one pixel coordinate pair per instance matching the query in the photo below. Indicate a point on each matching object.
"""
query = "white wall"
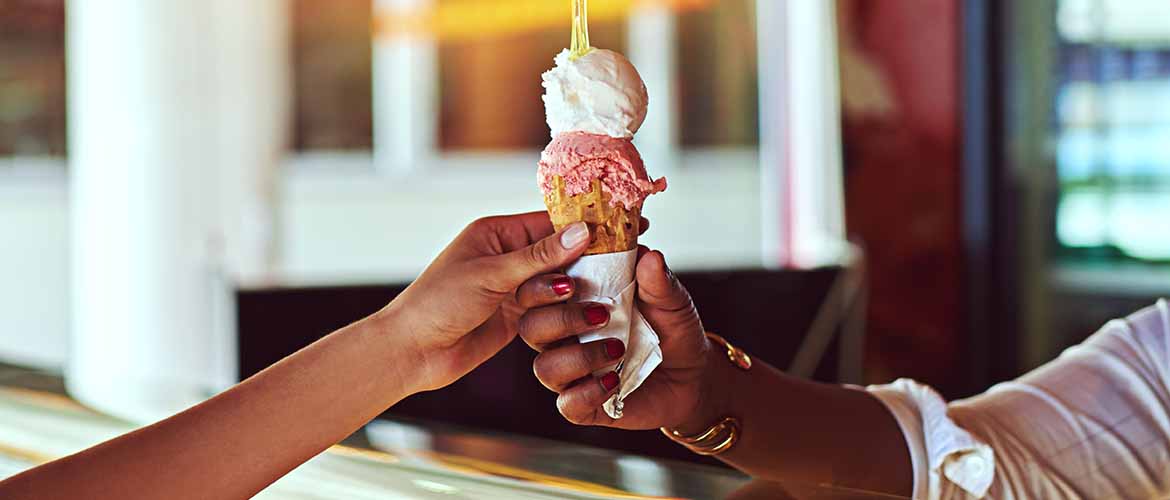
(340, 223)
(370, 228)
(34, 255)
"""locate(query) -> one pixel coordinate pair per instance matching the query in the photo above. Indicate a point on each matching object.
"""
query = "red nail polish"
(610, 381)
(562, 285)
(614, 349)
(596, 314)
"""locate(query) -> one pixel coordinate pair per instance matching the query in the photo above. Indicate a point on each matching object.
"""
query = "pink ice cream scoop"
(580, 157)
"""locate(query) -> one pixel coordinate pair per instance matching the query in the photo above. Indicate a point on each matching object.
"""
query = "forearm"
(237, 443)
(801, 431)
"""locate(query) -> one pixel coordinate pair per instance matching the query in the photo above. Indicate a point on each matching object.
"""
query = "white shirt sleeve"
(1094, 423)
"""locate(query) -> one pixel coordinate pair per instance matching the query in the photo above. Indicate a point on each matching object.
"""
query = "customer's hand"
(463, 308)
(674, 393)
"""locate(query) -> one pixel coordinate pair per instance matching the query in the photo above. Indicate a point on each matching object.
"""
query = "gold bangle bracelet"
(715, 440)
(734, 354)
(722, 436)
(732, 437)
(707, 435)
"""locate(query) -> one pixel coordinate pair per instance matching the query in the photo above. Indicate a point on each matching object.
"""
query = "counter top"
(402, 459)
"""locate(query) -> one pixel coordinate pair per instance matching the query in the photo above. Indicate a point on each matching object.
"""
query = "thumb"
(510, 270)
(665, 303)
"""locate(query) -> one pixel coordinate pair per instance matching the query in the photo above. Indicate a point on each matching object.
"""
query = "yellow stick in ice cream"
(580, 43)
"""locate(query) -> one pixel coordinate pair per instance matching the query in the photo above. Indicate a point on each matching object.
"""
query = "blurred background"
(191, 189)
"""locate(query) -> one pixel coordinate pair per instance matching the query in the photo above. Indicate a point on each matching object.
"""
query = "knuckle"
(524, 327)
(578, 364)
(491, 278)
(570, 411)
(590, 357)
(541, 254)
(676, 286)
(683, 318)
(543, 370)
(569, 319)
(481, 224)
(678, 300)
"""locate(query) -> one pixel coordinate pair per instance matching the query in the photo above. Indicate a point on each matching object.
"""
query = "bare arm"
(239, 442)
(801, 431)
(793, 430)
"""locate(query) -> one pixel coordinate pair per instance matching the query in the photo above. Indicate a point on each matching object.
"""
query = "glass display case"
(1079, 139)
(1111, 113)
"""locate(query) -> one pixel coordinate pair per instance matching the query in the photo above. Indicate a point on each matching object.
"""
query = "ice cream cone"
(612, 228)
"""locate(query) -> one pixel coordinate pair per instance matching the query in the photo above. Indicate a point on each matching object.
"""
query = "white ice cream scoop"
(599, 93)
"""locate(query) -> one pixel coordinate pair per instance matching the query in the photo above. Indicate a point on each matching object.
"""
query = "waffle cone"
(611, 228)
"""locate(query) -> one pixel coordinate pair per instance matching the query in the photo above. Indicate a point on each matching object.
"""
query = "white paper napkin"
(609, 279)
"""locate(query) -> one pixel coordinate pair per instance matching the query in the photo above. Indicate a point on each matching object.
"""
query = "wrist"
(715, 397)
(397, 346)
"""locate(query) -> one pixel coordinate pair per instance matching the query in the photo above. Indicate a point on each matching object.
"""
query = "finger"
(581, 403)
(518, 231)
(663, 300)
(543, 326)
(544, 290)
(657, 285)
(508, 271)
(559, 368)
(486, 340)
(537, 224)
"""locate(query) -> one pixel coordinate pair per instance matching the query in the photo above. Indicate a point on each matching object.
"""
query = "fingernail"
(614, 349)
(610, 381)
(575, 235)
(596, 314)
(562, 285)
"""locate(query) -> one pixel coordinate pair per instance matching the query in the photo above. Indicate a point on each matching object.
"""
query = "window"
(489, 85)
(454, 114)
(331, 72)
(1112, 115)
(487, 57)
(719, 95)
(32, 78)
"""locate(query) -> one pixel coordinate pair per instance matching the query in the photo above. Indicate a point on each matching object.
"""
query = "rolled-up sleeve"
(1094, 423)
(940, 451)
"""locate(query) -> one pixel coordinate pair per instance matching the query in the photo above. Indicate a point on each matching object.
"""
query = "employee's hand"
(673, 393)
(463, 308)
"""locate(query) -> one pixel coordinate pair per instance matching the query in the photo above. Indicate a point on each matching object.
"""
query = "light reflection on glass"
(1112, 114)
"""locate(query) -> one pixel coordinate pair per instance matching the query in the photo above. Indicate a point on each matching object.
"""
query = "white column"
(772, 61)
(651, 47)
(405, 93)
(800, 133)
(253, 87)
(150, 161)
(815, 104)
(253, 117)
